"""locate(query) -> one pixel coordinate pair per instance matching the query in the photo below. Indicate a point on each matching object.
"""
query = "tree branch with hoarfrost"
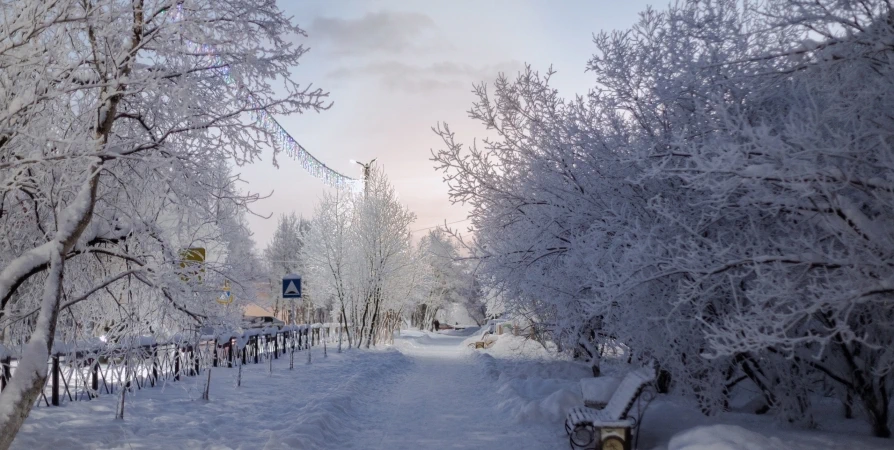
(116, 123)
(726, 181)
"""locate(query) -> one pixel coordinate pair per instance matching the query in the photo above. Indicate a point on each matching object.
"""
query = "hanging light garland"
(281, 137)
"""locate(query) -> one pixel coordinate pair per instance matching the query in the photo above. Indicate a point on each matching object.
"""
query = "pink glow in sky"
(394, 69)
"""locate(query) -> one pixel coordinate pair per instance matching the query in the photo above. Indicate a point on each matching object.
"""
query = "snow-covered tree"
(450, 280)
(118, 119)
(382, 236)
(283, 256)
(330, 255)
(725, 183)
(360, 254)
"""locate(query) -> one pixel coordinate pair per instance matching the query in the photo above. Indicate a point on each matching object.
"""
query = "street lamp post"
(366, 169)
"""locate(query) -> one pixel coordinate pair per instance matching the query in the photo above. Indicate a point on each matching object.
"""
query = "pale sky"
(394, 69)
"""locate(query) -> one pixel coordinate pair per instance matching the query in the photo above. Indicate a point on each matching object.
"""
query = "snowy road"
(431, 394)
(445, 400)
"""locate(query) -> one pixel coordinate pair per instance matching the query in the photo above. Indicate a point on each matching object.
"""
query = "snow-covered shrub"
(719, 203)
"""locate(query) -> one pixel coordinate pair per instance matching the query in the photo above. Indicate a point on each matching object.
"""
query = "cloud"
(399, 76)
(385, 32)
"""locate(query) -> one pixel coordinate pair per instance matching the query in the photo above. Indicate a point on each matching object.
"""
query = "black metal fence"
(86, 374)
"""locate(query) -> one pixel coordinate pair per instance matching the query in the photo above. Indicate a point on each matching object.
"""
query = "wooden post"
(55, 398)
(206, 394)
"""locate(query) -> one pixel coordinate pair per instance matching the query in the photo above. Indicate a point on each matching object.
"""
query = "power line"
(436, 226)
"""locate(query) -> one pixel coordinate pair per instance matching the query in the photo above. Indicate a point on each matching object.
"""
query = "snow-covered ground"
(538, 387)
(426, 391)
(432, 393)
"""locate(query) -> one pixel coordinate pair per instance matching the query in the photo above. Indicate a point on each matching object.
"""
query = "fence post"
(177, 364)
(5, 372)
(154, 364)
(214, 356)
(55, 399)
(126, 384)
(94, 378)
(276, 345)
(257, 349)
(230, 353)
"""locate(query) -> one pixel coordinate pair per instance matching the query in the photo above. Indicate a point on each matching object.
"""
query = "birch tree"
(102, 100)
(383, 238)
(330, 254)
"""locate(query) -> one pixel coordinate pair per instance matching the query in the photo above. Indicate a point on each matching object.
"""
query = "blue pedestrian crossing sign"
(291, 286)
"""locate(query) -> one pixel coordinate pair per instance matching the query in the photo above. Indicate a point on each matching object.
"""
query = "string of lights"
(281, 137)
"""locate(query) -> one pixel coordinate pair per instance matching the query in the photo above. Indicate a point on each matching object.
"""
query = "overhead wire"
(436, 226)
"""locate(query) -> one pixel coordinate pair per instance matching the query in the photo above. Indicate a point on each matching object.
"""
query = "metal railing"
(84, 374)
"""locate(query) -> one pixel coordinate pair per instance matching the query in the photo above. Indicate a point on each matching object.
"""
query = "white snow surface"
(599, 390)
(428, 390)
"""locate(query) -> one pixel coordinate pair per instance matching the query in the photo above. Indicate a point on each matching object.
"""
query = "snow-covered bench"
(486, 341)
(611, 427)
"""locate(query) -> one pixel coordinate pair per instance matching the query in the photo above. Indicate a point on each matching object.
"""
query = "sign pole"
(291, 289)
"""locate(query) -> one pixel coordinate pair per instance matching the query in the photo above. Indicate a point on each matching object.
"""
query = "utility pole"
(366, 169)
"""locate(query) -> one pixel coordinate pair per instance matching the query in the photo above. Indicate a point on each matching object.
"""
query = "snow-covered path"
(433, 393)
(445, 400)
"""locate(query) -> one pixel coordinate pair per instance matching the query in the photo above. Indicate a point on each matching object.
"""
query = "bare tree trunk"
(374, 322)
(363, 322)
(344, 318)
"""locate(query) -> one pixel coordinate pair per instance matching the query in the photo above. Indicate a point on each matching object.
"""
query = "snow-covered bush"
(720, 202)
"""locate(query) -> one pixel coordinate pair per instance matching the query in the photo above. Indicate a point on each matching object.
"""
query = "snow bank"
(417, 340)
(535, 385)
(510, 346)
(723, 437)
(463, 332)
(599, 390)
(552, 408)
